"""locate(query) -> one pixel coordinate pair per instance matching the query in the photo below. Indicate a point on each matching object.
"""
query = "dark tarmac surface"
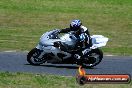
(16, 62)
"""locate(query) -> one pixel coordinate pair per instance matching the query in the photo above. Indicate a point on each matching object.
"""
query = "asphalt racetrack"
(16, 62)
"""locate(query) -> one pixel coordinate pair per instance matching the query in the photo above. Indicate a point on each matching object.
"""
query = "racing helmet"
(75, 25)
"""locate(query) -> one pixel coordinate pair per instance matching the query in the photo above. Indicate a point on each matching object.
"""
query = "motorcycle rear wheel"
(94, 58)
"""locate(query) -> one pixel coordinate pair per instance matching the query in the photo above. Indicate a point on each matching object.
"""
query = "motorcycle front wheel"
(33, 57)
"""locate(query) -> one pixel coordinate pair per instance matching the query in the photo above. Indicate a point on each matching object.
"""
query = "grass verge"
(27, 80)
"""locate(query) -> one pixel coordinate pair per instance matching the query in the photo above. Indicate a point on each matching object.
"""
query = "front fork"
(40, 48)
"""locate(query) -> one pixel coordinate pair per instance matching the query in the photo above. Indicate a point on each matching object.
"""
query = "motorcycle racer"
(82, 34)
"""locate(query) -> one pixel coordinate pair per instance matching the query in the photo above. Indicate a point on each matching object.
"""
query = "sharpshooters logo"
(83, 78)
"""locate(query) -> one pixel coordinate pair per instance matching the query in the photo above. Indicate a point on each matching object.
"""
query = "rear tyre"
(94, 58)
(33, 57)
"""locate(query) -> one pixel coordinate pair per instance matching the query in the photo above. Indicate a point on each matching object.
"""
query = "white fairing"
(99, 40)
(46, 44)
(68, 39)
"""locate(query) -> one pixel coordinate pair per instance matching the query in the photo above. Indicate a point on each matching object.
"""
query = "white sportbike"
(61, 49)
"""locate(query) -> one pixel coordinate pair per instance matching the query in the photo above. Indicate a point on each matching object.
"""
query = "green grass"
(22, 22)
(27, 80)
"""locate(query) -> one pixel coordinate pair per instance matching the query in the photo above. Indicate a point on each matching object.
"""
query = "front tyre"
(93, 58)
(33, 57)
